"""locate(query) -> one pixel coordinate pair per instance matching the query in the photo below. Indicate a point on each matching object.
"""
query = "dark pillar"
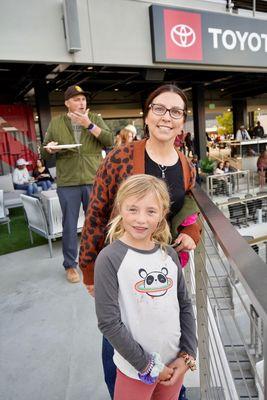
(251, 120)
(42, 106)
(198, 101)
(239, 107)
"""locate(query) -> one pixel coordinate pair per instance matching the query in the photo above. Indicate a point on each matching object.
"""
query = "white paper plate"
(63, 146)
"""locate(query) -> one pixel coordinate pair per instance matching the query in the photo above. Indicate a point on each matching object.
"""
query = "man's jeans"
(70, 199)
(30, 187)
(110, 369)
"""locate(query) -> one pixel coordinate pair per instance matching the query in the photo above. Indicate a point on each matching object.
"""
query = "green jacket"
(77, 166)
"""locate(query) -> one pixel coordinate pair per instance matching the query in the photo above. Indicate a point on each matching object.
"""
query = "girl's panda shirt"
(142, 305)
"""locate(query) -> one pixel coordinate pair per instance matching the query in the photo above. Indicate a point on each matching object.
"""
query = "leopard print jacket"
(117, 166)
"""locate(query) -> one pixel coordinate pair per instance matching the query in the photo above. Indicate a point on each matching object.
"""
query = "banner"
(190, 36)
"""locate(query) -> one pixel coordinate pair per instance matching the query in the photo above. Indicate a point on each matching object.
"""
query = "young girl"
(142, 303)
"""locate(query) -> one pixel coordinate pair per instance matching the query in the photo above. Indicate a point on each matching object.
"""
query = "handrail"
(242, 201)
(229, 173)
(260, 239)
(251, 270)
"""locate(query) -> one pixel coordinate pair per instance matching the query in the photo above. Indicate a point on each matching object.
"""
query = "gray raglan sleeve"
(109, 316)
(188, 340)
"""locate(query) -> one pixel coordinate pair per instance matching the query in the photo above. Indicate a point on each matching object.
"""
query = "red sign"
(183, 35)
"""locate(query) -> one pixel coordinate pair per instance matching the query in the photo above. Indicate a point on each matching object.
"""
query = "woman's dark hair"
(163, 89)
(42, 162)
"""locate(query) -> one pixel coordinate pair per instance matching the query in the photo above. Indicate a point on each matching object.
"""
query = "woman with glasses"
(165, 113)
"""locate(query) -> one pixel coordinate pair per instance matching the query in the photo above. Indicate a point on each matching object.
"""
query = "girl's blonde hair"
(139, 186)
(123, 138)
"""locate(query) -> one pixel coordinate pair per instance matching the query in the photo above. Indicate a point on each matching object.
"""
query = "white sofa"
(11, 196)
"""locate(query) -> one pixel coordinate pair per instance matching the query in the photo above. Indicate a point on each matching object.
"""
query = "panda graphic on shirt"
(155, 283)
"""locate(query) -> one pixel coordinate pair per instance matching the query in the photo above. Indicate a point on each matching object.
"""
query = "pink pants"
(131, 389)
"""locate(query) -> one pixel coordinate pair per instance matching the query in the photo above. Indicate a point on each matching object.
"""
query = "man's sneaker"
(72, 275)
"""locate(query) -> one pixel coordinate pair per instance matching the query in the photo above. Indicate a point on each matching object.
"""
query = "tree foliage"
(225, 122)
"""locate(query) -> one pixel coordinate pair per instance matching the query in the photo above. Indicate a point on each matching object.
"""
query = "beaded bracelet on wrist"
(152, 371)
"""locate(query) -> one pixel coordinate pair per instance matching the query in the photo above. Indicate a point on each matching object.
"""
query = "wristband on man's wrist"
(91, 127)
(189, 360)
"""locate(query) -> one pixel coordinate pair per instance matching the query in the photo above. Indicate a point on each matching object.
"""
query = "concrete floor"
(50, 347)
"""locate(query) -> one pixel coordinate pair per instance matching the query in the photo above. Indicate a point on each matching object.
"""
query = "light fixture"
(189, 111)
(99, 114)
(258, 109)
(89, 68)
(71, 25)
(228, 109)
(222, 89)
(116, 89)
(141, 113)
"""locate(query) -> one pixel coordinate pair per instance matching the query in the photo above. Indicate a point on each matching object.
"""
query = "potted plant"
(207, 165)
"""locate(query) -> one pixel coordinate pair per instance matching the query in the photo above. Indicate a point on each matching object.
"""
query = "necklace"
(163, 169)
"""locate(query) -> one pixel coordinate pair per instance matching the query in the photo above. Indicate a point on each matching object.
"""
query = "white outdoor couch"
(11, 196)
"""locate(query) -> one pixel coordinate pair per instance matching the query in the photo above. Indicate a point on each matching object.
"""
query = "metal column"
(199, 120)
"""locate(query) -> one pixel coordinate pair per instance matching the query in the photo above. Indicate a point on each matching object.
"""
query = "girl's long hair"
(122, 138)
(139, 186)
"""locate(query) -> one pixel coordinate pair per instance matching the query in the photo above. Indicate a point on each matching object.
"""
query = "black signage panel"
(193, 36)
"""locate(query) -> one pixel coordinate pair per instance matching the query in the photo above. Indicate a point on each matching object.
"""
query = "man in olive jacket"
(76, 167)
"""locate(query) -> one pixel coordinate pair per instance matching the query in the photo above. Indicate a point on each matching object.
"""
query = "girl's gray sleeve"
(109, 317)
(188, 340)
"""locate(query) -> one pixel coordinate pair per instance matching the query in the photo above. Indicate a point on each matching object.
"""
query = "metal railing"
(247, 211)
(228, 281)
(228, 183)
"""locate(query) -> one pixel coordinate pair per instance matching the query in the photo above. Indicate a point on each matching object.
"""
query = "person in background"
(138, 274)
(262, 168)
(258, 130)
(76, 167)
(195, 163)
(42, 175)
(222, 180)
(179, 142)
(126, 135)
(189, 144)
(242, 134)
(165, 113)
(208, 139)
(22, 179)
(228, 168)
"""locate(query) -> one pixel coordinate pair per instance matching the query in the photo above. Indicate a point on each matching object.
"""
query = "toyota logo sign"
(183, 35)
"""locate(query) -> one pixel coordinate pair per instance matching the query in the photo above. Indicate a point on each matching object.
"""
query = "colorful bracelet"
(189, 360)
(152, 371)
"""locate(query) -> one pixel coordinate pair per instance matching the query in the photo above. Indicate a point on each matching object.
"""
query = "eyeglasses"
(159, 109)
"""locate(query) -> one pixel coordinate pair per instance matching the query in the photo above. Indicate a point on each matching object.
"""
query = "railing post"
(201, 279)
(265, 359)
